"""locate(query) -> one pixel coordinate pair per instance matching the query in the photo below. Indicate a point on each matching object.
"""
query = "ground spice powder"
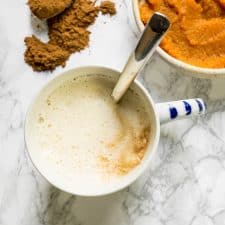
(69, 30)
(108, 7)
(67, 34)
(43, 56)
(45, 9)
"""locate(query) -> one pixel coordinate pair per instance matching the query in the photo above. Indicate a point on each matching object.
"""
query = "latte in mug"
(83, 137)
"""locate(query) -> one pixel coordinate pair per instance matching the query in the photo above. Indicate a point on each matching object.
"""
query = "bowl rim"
(203, 72)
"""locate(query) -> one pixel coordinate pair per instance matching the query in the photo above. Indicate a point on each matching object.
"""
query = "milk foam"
(83, 138)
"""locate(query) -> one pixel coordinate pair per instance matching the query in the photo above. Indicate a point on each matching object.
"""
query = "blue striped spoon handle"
(170, 111)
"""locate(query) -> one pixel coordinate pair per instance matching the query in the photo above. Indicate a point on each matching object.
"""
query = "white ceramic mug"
(159, 113)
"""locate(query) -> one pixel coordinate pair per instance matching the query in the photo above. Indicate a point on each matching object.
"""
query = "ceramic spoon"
(149, 41)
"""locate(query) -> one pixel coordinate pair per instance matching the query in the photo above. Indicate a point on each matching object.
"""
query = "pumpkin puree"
(197, 33)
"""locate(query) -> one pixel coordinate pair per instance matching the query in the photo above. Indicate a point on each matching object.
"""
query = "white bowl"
(182, 67)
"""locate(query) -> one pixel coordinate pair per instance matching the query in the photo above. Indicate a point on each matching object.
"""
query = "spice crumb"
(108, 7)
(41, 119)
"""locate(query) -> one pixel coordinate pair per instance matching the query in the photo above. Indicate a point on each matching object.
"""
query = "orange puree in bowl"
(197, 33)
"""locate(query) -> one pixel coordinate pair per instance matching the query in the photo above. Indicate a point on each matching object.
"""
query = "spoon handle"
(149, 41)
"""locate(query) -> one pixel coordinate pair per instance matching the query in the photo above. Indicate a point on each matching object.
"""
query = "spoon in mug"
(150, 39)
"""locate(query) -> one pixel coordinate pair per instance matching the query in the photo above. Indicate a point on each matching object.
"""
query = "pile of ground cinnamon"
(43, 56)
(67, 34)
(45, 9)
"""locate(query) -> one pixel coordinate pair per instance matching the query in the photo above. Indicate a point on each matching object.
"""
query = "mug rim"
(200, 71)
(143, 165)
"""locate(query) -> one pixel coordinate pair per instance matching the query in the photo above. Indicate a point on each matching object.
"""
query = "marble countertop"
(185, 184)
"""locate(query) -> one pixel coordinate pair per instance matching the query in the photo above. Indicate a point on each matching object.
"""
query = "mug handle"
(170, 111)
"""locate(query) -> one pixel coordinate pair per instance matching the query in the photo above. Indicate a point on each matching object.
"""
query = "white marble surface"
(185, 184)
